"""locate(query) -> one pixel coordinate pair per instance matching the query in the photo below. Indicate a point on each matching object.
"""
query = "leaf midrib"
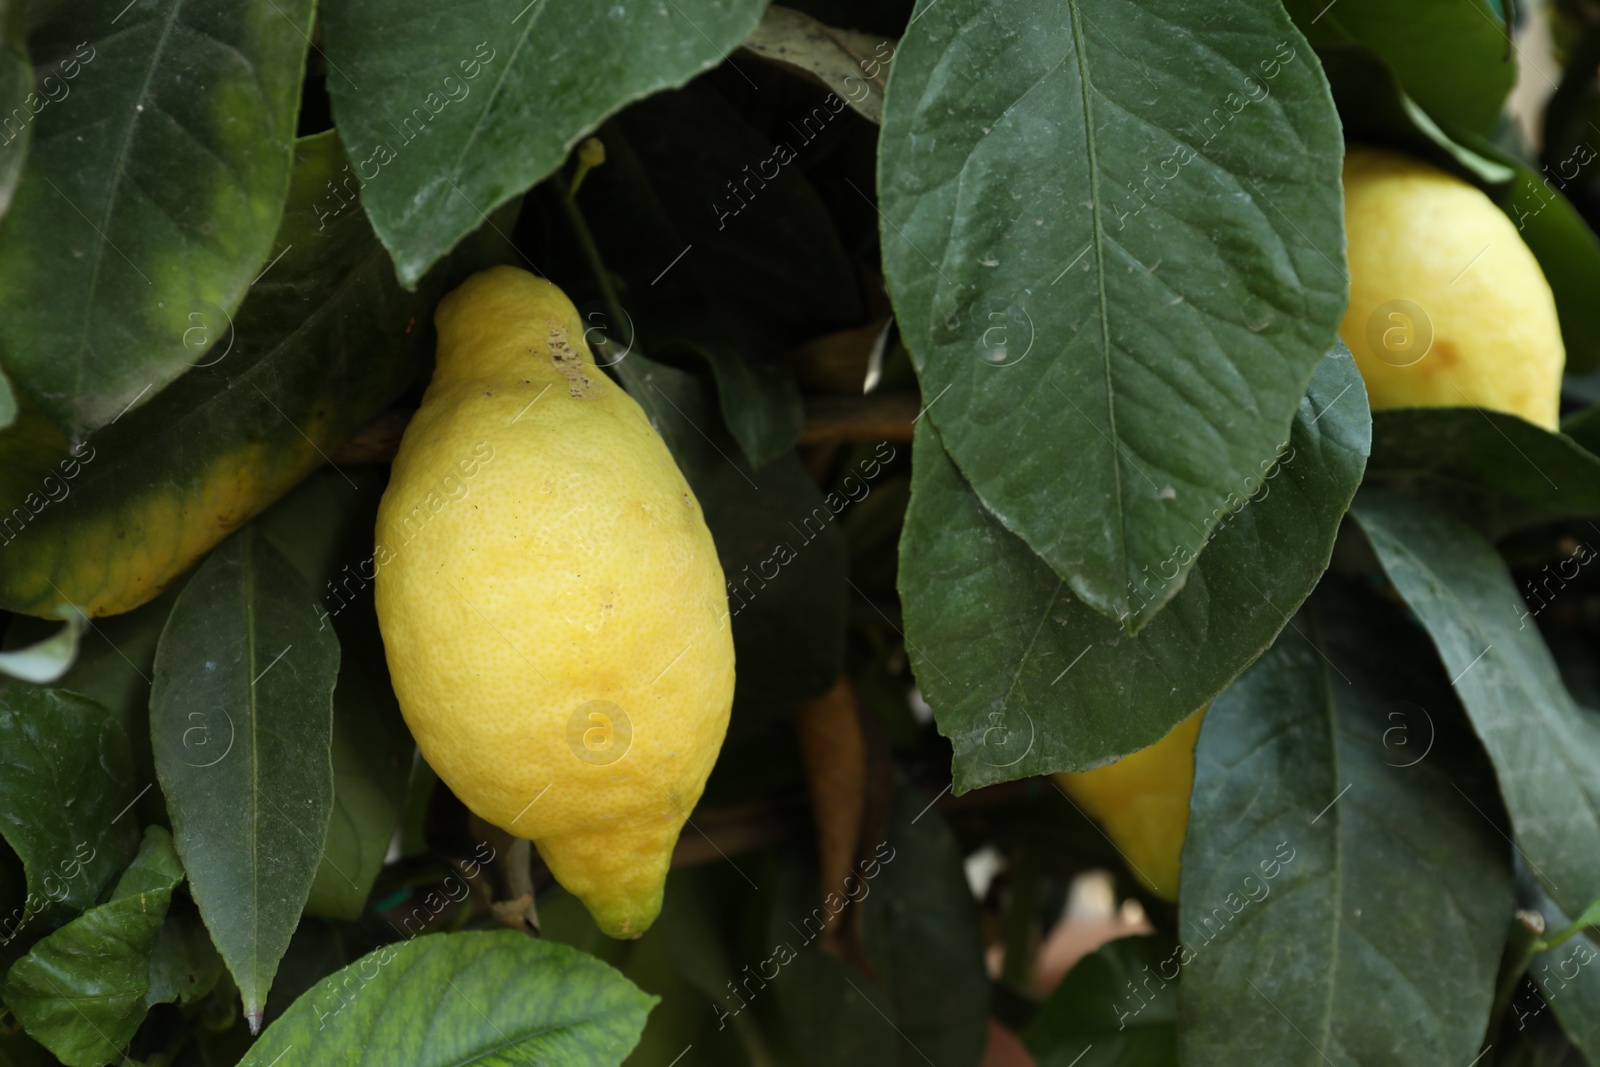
(1080, 45)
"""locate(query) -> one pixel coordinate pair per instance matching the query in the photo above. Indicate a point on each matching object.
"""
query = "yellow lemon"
(552, 607)
(1448, 307)
(1142, 800)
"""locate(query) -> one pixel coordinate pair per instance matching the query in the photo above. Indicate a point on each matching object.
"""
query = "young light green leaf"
(81, 991)
(1114, 246)
(44, 662)
(241, 717)
(1546, 750)
(449, 111)
(1344, 897)
(1025, 678)
(155, 180)
(1495, 471)
(1091, 1020)
(66, 782)
(1452, 56)
(449, 1000)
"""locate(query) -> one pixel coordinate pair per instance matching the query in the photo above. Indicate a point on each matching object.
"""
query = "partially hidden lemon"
(552, 607)
(1448, 307)
(1142, 801)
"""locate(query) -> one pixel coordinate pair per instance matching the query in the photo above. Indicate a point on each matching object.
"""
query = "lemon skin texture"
(1431, 256)
(1142, 801)
(553, 611)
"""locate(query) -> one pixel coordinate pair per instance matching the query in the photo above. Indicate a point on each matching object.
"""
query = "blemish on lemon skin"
(567, 360)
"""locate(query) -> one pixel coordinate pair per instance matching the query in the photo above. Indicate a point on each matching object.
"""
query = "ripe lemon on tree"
(1142, 800)
(1448, 307)
(552, 607)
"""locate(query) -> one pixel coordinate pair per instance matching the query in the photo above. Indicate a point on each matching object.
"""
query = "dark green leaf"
(16, 125)
(325, 341)
(1493, 470)
(184, 964)
(448, 1000)
(1545, 748)
(66, 781)
(1116, 259)
(154, 184)
(1452, 56)
(81, 991)
(1337, 880)
(1025, 678)
(241, 723)
(928, 1002)
(781, 552)
(1093, 1020)
(718, 236)
(325, 528)
(449, 111)
(760, 403)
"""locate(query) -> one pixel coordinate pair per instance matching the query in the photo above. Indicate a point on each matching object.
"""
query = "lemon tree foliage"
(240, 721)
(449, 111)
(68, 774)
(1051, 233)
(159, 143)
(475, 998)
(1340, 807)
(97, 969)
(1546, 747)
(1024, 677)
(896, 406)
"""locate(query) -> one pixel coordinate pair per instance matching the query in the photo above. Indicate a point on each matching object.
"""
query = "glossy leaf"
(1025, 678)
(66, 780)
(81, 991)
(320, 346)
(448, 1000)
(1546, 749)
(927, 1000)
(1117, 1007)
(1487, 468)
(1116, 259)
(324, 527)
(449, 111)
(241, 723)
(154, 184)
(781, 551)
(1451, 56)
(1344, 897)
(16, 84)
